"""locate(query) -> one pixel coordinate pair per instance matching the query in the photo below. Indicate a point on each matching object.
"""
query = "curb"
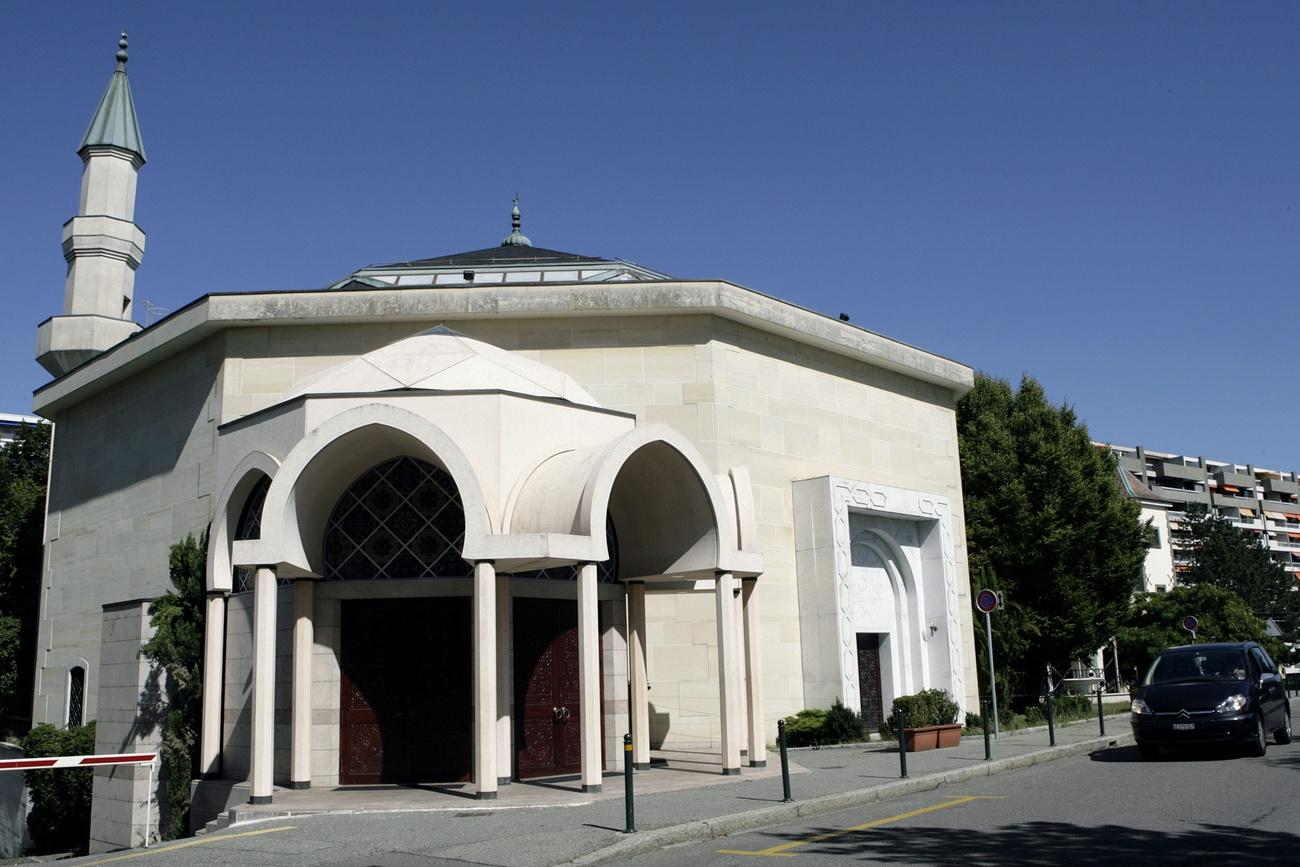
(644, 842)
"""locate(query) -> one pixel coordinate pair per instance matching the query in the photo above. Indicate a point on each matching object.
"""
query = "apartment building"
(1263, 503)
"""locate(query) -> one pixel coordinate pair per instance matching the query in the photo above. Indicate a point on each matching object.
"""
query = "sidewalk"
(685, 800)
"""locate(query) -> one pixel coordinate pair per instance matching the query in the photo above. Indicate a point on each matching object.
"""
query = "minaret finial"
(121, 51)
(516, 238)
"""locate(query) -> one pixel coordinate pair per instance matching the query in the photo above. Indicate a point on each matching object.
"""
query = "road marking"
(188, 843)
(782, 850)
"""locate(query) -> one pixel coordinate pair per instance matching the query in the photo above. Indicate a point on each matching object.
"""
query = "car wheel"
(1259, 743)
(1283, 735)
(1149, 751)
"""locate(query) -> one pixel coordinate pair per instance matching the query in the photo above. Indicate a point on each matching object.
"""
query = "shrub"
(1071, 706)
(60, 816)
(815, 726)
(929, 707)
(974, 722)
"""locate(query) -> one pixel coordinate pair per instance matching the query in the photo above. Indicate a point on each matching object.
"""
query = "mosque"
(474, 516)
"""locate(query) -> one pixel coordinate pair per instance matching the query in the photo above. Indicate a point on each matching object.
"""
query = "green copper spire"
(115, 123)
(516, 238)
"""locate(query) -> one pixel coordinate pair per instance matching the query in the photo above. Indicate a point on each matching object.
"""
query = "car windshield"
(1198, 665)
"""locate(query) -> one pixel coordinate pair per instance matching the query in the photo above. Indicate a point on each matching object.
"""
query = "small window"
(1155, 537)
(76, 695)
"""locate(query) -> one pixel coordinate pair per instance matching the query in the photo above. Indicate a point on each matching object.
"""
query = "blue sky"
(1103, 195)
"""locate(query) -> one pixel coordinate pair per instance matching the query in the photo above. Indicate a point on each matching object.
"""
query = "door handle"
(566, 712)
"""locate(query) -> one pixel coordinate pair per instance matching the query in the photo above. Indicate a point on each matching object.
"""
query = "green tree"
(1154, 621)
(24, 466)
(177, 647)
(1046, 516)
(1226, 557)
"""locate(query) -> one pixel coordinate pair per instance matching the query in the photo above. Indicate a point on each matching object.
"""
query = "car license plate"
(1184, 727)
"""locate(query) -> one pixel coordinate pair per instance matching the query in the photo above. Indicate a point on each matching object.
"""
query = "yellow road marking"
(159, 850)
(782, 850)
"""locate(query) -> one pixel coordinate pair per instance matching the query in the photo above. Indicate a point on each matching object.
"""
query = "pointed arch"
(330, 457)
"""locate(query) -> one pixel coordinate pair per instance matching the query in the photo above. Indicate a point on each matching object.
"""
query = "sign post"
(1190, 623)
(987, 601)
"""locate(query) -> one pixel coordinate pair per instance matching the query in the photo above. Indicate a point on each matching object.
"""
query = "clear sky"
(1104, 195)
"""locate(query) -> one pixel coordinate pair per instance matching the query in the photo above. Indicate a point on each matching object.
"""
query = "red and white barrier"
(103, 760)
(77, 761)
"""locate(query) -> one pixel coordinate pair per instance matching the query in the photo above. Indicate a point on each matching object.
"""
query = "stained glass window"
(250, 527)
(401, 519)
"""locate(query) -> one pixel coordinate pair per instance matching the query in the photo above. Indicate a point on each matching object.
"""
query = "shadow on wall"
(658, 728)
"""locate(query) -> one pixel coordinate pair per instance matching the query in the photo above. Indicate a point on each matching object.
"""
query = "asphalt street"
(1107, 808)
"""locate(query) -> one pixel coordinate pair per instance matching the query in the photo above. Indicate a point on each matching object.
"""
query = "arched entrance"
(405, 693)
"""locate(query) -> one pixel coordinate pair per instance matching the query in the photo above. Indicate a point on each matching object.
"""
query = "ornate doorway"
(547, 703)
(405, 710)
(873, 704)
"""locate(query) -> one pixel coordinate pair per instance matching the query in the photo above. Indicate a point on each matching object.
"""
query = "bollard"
(629, 811)
(1051, 720)
(984, 716)
(785, 762)
(1101, 716)
(902, 744)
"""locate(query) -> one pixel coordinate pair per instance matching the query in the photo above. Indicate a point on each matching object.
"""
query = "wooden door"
(873, 704)
(405, 710)
(547, 695)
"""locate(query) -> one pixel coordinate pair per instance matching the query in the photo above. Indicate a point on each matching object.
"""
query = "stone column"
(262, 757)
(728, 655)
(589, 678)
(754, 674)
(304, 601)
(740, 710)
(485, 680)
(505, 731)
(638, 676)
(214, 668)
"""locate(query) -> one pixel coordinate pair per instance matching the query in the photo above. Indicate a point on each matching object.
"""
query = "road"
(1108, 808)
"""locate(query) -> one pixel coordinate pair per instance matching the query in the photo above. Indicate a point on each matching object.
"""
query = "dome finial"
(516, 238)
(121, 51)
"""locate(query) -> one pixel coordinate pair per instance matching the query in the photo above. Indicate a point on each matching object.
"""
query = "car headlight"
(1232, 704)
(1140, 708)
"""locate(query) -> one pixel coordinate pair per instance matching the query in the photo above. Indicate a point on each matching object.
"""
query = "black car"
(1211, 694)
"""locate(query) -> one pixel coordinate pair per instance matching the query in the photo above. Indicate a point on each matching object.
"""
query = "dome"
(441, 359)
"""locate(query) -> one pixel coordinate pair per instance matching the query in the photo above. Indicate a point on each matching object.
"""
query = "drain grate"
(473, 814)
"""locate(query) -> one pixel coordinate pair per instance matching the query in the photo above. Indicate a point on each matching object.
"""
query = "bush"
(974, 722)
(814, 727)
(1071, 706)
(929, 707)
(60, 816)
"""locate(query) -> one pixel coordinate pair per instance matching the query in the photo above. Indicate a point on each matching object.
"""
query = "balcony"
(1133, 465)
(1181, 495)
(1281, 486)
(1171, 470)
(1223, 500)
(1236, 479)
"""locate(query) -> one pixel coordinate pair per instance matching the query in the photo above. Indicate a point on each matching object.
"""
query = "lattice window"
(250, 527)
(76, 694)
(402, 519)
(606, 572)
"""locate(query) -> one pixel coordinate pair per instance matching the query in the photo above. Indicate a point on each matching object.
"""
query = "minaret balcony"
(103, 236)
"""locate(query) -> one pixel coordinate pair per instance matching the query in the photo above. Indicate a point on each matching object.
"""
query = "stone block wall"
(237, 698)
(132, 474)
(131, 721)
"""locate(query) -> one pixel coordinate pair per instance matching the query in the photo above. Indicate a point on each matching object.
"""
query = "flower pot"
(923, 738)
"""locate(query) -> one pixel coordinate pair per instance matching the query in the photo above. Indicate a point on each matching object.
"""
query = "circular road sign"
(986, 601)
(1190, 623)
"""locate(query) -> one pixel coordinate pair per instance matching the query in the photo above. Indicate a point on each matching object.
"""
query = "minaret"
(102, 244)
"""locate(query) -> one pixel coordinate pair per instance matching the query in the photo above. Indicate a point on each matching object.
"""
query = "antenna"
(150, 309)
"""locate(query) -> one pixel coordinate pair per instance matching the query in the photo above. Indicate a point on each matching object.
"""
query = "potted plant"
(931, 717)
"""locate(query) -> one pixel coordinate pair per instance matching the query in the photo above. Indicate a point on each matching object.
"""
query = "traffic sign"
(986, 601)
(1190, 623)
